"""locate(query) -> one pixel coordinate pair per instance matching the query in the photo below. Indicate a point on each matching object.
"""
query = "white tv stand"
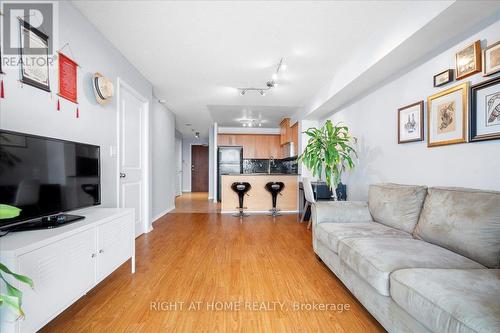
(65, 262)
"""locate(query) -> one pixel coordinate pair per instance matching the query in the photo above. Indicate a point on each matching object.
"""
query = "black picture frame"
(1, 60)
(25, 79)
(450, 78)
(473, 136)
(420, 105)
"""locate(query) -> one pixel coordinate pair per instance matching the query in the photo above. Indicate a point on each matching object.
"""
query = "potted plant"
(329, 151)
(12, 297)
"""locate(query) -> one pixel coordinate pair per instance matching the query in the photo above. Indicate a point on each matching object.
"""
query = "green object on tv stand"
(8, 212)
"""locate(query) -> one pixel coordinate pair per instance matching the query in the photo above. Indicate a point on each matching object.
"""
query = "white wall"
(373, 120)
(186, 160)
(163, 152)
(303, 139)
(30, 110)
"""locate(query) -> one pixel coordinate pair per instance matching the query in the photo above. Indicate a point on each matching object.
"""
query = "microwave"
(288, 150)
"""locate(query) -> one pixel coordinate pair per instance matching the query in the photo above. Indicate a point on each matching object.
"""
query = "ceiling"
(196, 53)
(236, 115)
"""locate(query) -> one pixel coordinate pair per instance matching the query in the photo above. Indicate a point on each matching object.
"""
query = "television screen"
(43, 176)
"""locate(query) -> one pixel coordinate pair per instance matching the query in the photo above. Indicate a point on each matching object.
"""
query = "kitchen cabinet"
(260, 146)
(285, 132)
(295, 136)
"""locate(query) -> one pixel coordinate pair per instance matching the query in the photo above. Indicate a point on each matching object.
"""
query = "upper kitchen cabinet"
(254, 145)
(295, 136)
(285, 131)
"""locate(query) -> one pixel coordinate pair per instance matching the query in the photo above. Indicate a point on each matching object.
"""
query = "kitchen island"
(258, 199)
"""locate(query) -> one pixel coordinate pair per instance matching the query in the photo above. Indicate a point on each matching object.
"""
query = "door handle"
(122, 175)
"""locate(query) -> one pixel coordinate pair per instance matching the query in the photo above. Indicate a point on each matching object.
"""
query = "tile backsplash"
(278, 166)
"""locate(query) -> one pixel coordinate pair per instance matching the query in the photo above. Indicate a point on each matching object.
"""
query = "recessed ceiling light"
(260, 125)
(244, 125)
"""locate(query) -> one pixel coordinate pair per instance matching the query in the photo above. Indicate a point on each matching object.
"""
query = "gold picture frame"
(468, 60)
(447, 115)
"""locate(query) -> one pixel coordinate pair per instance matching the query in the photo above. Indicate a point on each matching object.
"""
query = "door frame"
(146, 202)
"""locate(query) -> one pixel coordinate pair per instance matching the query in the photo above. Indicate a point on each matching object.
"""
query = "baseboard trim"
(163, 213)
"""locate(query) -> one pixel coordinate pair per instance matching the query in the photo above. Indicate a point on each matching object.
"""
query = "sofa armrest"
(340, 212)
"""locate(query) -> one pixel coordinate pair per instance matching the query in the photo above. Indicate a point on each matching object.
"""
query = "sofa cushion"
(464, 221)
(450, 300)
(340, 212)
(374, 259)
(395, 205)
(333, 233)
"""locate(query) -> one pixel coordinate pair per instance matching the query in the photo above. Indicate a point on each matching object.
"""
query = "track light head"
(262, 93)
(242, 92)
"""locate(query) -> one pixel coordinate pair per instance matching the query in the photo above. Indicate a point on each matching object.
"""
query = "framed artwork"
(485, 111)
(447, 116)
(491, 59)
(468, 60)
(1, 61)
(443, 78)
(411, 123)
(34, 72)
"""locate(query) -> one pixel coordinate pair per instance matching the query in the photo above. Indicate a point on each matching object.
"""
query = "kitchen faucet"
(271, 160)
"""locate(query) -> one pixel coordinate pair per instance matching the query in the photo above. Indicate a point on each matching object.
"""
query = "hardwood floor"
(207, 258)
(195, 202)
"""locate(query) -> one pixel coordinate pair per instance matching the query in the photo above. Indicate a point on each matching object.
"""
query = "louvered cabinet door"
(114, 245)
(62, 272)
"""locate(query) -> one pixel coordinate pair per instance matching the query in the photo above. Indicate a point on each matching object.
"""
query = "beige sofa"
(419, 259)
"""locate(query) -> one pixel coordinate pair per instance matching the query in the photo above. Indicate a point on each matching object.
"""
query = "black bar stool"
(241, 188)
(275, 188)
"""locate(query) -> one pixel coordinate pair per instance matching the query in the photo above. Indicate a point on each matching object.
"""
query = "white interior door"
(132, 163)
(178, 166)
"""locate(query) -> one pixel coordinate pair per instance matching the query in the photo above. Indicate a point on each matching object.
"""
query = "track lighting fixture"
(197, 135)
(269, 84)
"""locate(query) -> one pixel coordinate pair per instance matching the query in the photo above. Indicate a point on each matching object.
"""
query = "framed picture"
(447, 116)
(491, 59)
(485, 111)
(1, 61)
(411, 123)
(33, 71)
(443, 78)
(468, 60)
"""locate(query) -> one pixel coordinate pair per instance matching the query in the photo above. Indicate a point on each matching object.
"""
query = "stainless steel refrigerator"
(229, 161)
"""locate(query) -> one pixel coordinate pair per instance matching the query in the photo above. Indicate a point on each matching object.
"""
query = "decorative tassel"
(2, 93)
(58, 105)
(77, 113)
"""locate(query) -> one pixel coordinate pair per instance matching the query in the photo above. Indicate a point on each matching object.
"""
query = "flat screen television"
(44, 176)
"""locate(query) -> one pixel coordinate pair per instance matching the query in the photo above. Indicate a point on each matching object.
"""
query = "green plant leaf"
(12, 302)
(18, 277)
